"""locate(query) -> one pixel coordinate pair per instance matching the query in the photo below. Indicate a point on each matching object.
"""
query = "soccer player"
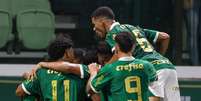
(67, 67)
(53, 85)
(107, 28)
(126, 79)
(103, 52)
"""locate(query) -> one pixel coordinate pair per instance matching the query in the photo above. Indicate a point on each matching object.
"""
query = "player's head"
(90, 56)
(124, 43)
(58, 47)
(78, 55)
(100, 18)
(104, 52)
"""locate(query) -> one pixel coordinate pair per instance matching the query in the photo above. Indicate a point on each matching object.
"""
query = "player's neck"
(121, 54)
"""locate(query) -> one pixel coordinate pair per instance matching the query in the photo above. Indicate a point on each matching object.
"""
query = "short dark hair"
(104, 51)
(57, 48)
(104, 12)
(104, 48)
(90, 56)
(125, 41)
(79, 54)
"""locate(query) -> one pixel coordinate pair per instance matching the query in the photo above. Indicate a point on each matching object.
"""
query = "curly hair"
(79, 54)
(57, 48)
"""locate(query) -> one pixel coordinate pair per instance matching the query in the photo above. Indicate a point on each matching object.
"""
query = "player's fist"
(93, 68)
(26, 75)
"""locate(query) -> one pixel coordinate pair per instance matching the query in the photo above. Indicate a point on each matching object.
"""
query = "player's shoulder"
(147, 66)
(140, 60)
(40, 70)
(44, 71)
(131, 27)
(107, 67)
(144, 62)
(128, 25)
(120, 28)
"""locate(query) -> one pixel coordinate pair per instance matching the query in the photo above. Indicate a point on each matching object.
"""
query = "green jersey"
(32, 97)
(29, 98)
(125, 80)
(143, 50)
(55, 86)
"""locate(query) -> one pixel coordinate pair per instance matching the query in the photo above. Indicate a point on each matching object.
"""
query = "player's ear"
(116, 50)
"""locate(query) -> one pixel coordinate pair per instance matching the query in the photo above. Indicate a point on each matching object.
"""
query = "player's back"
(131, 79)
(56, 86)
(143, 49)
(142, 46)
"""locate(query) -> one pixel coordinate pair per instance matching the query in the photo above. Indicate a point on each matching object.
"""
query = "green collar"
(114, 24)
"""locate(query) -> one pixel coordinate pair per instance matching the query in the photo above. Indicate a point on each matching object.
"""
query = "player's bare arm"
(113, 58)
(163, 42)
(19, 91)
(60, 66)
(64, 67)
(95, 97)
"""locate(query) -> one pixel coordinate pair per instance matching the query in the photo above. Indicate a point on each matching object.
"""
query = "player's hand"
(95, 97)
(93, 68)
(26, 75)
(34, 70)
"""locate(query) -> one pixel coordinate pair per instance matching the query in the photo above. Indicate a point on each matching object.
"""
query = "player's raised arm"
(163, 41)
(159, 38)
(19, 91)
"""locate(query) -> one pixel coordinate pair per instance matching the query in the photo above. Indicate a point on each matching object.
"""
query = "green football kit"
(143, 50)
(124, 80)
(166, 72)
(29, 98)
(56, 86)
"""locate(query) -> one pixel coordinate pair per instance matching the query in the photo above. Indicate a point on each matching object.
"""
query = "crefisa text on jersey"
(129, 67)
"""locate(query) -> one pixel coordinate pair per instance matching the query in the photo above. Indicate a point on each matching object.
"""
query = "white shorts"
(167, 79)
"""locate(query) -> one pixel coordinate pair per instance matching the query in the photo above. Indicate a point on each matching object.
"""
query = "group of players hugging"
(124, 66)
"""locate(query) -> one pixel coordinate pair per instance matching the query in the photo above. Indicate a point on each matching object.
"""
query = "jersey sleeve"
(29, 98)
(31, 87)
(151, 72)
(151, 35)
(102, 79)
(84, 71)
(110, 40)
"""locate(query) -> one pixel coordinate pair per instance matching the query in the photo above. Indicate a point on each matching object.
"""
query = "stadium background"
(25, 24)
